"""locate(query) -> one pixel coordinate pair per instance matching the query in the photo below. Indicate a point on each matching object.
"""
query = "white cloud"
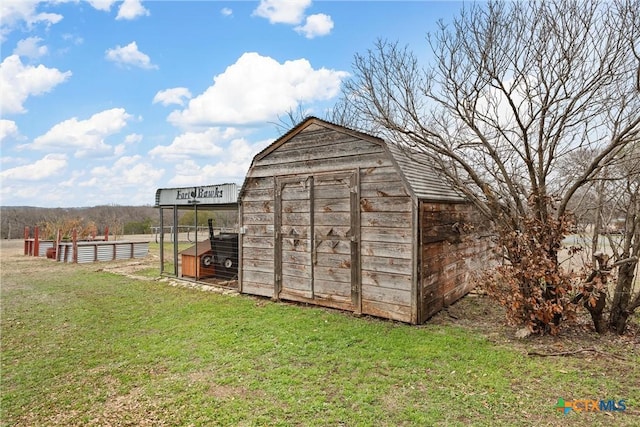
(86, 137)
(19, 81)
(175, 95)
(188, 173)
(133, 138)
(232, 166)
(129, 180)
(226, 11)
(128, 10)
(119, 150)
(282, 11)
(257, 89)
(292, 12)
(49, 166)
(131, 9)
(47, 18)
(133, 171)
(16, 12)
(129, 55)
(316, 25)
(30, 48)
(7, 128)
(200, 144)
(13, 12)
(104, 5)
(75, 39)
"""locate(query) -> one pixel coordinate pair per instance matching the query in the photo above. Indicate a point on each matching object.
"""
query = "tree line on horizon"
(119, 220)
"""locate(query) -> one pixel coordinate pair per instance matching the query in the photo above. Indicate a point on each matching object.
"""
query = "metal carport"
(217, 197)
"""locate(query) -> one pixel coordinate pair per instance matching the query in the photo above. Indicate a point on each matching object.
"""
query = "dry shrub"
(85, 229)
(531, 284)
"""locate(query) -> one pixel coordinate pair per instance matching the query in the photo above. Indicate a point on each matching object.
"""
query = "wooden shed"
(338, 218)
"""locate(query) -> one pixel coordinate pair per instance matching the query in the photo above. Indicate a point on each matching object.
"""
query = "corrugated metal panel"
(140, 249)
(63, 252)
(123, 250)
(105, 252)
(102, 251)
(423, 179)
(44, 245)
(67, 253)
(86, 253)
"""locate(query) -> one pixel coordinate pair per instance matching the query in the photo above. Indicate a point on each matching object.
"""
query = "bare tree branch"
(513, 89)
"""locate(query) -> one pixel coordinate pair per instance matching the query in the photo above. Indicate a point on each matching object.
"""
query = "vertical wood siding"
(317, 251)
(257, 240)
(454, 247)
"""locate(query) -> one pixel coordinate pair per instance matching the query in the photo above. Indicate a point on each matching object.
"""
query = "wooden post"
(26, 240)
(75, 246)
(58, 239)
(36, 241)
(106, 233)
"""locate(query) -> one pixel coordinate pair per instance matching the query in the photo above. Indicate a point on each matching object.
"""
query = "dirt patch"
(11, 247)
(130, 268)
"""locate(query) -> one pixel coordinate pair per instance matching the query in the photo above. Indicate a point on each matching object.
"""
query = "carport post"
(161, 241)
(195, 214)
(175, 240)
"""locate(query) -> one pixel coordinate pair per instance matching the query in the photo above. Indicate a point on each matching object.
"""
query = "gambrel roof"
(422, 180)
(425, 182)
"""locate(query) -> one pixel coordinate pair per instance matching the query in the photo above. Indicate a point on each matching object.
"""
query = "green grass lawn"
(84, 347)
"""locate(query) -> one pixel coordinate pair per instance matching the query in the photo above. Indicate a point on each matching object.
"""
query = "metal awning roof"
(217, 195)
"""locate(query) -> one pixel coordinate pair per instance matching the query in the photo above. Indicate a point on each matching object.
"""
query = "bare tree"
(291, 118)
(617, 192)
(513, 89)
(626, 296)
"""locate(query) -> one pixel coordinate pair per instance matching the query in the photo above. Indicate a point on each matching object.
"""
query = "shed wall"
(380, 232)
(455, 247)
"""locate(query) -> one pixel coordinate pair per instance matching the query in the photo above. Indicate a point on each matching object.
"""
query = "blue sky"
(103, 102)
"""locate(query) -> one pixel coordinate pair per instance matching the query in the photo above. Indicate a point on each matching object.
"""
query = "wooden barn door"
(336, 239)
(317, 239)
(293, 238)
